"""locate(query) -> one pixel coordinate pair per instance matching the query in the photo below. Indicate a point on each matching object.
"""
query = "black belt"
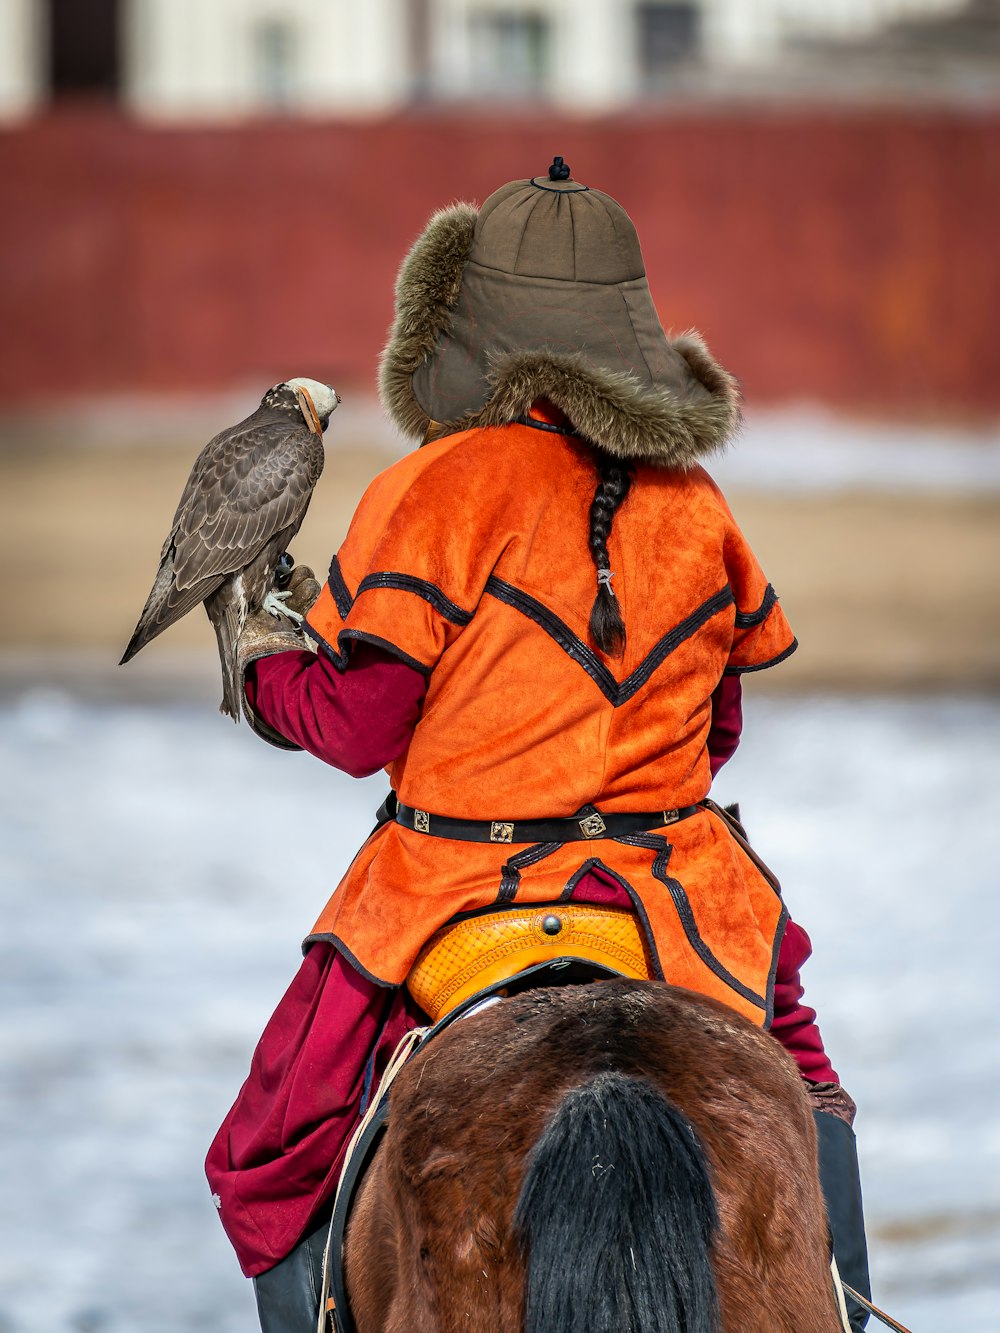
(587, 824)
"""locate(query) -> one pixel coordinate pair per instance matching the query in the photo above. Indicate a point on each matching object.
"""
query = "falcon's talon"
(274, 604)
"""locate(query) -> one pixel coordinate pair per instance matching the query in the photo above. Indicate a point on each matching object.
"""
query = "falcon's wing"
(248, 484)
(165, 605)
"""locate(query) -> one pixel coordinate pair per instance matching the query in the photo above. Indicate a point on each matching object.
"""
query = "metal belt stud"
(593, 826)
(670, 816)
(421, 821)
(501, 832)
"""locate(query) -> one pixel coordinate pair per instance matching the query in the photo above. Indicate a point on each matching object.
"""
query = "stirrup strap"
(838, 1291)
(399, 1058)
(886, 1319)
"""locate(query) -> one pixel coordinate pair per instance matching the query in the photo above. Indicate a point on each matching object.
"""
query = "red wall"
(850, 257)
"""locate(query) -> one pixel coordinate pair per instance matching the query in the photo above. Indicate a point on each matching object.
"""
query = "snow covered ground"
(156, 886)
(806, 449)
(794, 447)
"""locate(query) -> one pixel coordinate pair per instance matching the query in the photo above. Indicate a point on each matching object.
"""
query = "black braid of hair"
(607, 628)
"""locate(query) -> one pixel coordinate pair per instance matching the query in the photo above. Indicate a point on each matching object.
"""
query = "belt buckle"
(592, 826)
(421, 821)
(501, 832)
(670, 816)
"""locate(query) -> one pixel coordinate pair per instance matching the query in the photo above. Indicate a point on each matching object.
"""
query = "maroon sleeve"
(358, 720)
(794, 1023)
(727, 722)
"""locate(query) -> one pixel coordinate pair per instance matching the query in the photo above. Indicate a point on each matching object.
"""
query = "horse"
(613, 1157)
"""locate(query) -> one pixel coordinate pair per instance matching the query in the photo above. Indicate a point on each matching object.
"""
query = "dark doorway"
(419, 48)
(669, 37)
(83, 47)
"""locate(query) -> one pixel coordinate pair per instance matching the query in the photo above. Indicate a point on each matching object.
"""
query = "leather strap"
(881, 1315)
(587, 824)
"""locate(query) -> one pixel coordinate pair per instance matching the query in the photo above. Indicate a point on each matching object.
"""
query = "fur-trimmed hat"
(542, 293)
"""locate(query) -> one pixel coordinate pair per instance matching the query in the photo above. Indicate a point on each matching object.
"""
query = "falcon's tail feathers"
(228, 621)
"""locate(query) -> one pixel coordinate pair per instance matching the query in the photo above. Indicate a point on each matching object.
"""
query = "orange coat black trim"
(469, 560)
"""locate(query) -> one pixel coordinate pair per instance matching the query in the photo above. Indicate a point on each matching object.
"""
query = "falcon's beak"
(308, 411)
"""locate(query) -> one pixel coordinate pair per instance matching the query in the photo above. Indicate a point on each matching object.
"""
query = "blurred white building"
(183, 59)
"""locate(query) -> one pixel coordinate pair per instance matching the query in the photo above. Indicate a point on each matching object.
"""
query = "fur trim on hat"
(612, 409)
(426, 292)
(615, 412)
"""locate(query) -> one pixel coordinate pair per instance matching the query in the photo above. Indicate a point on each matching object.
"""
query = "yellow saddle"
(467, 956)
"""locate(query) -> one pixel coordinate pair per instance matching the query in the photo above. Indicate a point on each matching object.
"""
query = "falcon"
(244, 501)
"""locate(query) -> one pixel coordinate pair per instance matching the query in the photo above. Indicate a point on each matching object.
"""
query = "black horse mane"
(616, 1150)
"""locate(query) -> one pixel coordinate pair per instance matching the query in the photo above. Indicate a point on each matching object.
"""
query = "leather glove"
(299, 589)
(267, 632)
(831, 1099)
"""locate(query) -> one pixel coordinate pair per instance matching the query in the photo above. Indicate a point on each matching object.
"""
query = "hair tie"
(604, 577)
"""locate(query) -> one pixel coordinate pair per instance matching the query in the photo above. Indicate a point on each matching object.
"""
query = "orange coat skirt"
(469, 561)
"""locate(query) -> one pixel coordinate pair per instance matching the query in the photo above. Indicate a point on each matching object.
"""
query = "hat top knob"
(558, 171)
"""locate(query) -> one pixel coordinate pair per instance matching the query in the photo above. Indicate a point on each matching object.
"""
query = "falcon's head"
(317, 402)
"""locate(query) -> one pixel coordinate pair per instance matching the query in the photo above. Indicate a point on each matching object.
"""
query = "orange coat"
(469, 559)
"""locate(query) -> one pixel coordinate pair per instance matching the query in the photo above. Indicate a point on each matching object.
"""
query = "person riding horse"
(538, 622)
